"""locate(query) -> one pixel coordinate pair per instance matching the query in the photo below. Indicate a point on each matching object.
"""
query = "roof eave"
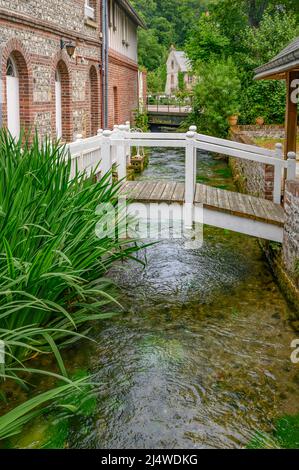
(132, 13)
(278, 72)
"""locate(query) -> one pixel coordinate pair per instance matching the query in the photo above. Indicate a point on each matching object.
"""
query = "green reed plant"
(13, 422)
(52, 265)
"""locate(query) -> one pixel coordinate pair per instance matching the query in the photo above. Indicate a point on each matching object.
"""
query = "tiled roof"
(287, 59)
(182, 60)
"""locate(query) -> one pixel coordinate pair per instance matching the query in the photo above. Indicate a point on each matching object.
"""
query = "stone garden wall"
(290, 250)
(252, 177)
(257, 179)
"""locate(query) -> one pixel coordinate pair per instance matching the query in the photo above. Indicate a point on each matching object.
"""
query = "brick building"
(53, 76)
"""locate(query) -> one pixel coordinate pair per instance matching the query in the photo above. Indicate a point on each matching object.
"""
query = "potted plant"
(233, 119)
(259, 121)
(259, 114)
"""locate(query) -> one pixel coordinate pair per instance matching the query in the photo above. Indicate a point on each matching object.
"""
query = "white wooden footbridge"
(216, 207)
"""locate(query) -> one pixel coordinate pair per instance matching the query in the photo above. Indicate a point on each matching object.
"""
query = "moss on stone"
(285, 435)
(287, 432)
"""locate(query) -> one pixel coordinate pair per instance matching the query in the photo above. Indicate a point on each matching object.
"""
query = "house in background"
(63, 61)
(178, 63)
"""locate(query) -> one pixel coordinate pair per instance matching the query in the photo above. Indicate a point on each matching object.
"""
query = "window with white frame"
(110, 6)
(90, 9)
(125, 31)
(112, 14)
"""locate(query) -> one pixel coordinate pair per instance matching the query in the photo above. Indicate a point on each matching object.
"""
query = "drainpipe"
(105, 64)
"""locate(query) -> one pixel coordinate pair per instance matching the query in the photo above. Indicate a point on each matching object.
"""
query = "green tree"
(156, 80)
(163, 30)
(206, 42)
(228, 32)
(252, 11)
(181, 81)
(151, 53)
(262, 44)
(216, 96)
(146, 8)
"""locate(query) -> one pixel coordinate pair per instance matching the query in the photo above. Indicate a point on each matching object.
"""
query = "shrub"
(216, 96)
(141, 121)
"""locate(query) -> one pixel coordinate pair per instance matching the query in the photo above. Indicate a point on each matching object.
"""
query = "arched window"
(63, 103)
(94, 101)
(11, 68)
(58, 105)
(13, 98)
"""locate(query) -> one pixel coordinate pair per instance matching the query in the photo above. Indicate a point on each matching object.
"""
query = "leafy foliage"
(181, 81)
(13, 422)
(168, 22)
(156, 80)
(216, 97)
(206, 43)
(51, 262)
(249, 34)
(150, 52)
(141, 121)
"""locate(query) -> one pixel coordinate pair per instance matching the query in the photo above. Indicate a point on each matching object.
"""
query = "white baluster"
(122, 153)
(113, 147)
(79, 160)
(194, 129)
(106, 163)
(189, 180)
(291, 171)
(127, 129)
(278, 174)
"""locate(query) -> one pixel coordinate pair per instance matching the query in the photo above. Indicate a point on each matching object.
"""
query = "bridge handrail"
(157, 135)
(236, 145)
(206, 139)
(237, 152)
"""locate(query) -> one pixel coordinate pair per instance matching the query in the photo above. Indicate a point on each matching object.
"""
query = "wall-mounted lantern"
(69, 46)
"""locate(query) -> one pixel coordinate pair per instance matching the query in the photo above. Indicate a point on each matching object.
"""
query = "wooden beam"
(291, 115)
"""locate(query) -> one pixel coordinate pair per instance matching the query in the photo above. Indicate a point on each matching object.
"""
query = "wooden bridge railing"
(113, 147)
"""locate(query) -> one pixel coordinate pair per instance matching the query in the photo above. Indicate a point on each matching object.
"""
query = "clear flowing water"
(200, 358)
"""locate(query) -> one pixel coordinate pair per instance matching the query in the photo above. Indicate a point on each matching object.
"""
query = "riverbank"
(258, 179)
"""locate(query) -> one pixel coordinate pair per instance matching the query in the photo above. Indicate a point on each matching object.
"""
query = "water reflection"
(200, 359)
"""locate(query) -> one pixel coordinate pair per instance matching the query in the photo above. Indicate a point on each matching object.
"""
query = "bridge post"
(114, 135)
(128, 147)
(122, 153)
(189, 180)
(291, 170)
(278, 174)
(194, 129)
(106, 162)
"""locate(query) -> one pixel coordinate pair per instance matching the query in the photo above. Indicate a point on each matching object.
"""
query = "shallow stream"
(201, 356)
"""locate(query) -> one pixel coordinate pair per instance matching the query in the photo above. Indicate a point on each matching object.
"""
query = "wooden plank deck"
(220, 200)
